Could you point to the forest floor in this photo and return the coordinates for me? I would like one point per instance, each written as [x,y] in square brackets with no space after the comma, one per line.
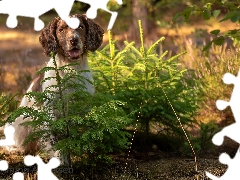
[155,165]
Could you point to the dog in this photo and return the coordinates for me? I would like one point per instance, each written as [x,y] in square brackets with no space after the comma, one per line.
[69,45]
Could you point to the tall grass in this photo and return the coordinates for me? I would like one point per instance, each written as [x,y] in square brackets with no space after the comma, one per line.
[210,68]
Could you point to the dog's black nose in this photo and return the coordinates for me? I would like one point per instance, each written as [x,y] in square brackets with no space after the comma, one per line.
[73,41]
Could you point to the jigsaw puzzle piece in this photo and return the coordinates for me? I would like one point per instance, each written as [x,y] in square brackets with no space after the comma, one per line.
[29,160]
[54,163]
[234,100]
[36,8]
[3,165]
[63,9]
[112,20]
[221,105]
[212,176]
[28,9]
[229,78]
[12,18]
[9,136]
[232,130]
[100,4]
[232,172]
[18,176]
[229,131]
[44,170]
[91,13]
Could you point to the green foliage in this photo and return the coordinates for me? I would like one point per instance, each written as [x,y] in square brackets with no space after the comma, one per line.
[2,78]
[99,132]
[78,7]
[81,7]
[109,67]
[138,75]
[7,105]
[85,126]
[207,130]
[113,5]
[203,142]
[208,9]
[210,69]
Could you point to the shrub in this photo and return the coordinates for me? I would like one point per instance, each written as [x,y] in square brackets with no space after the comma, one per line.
[202,143]
[208,9]
[86,126]
[7,105]
[210,68]
[139,76]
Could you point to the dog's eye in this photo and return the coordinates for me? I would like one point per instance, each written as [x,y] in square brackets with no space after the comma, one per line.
[81,27]
[61,30]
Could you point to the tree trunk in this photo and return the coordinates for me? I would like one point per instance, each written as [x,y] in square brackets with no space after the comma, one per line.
[139,12]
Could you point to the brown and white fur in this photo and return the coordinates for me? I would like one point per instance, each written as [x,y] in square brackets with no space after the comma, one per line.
[69,45]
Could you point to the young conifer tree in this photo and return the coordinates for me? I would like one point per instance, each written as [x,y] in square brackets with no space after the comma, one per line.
[85,126]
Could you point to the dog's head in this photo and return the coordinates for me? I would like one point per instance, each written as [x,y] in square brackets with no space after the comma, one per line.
[58,37]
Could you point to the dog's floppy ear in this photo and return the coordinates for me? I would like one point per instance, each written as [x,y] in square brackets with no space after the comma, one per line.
[94,34]
[48,38]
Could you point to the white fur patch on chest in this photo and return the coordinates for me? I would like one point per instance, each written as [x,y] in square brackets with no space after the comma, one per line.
[83,65]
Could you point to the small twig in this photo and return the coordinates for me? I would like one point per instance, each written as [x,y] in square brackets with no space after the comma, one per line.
[64,114]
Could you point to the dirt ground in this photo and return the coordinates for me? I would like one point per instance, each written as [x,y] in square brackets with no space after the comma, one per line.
[157,166]
[21,54]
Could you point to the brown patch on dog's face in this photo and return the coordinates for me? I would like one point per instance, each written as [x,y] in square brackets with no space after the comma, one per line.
[72,42]
[59,38]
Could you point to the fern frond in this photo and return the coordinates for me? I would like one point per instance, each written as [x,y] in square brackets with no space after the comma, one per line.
[45,69]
